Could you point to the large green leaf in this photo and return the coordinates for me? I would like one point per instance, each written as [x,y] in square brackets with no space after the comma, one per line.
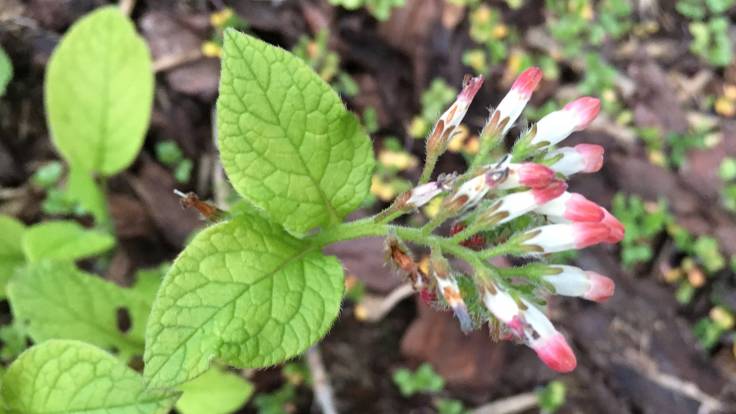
[64,240]
[214,392]
[6,71]
[287,142]
[71,377]
[99,92]
[57,301]
[243,291]
[11,250]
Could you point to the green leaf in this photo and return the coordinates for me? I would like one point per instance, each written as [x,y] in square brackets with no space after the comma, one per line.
[11,250]
[57,301]
[71,377]
[99,92]
[82,188]
[287,142]
[6,71]
[214,392]
[64,240]
[243,291]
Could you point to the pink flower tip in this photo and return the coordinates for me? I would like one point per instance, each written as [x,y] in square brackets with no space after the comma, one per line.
[527,82]
[592,156]
[535,175]
[584,110]
[471,86]
[550,192]
[616,230]
[580,209]
[556,353]
[601,287]
[588,234]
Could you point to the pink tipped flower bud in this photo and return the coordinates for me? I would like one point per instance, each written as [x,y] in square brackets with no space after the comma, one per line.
[586,158]
[554,238]
[529,175]
[616,230]
[601,287]
[573,281]
[471,86]
[444,129]
[571,207]
[513,103]
[515,205]
[558,125]
[584,111]
[549,344]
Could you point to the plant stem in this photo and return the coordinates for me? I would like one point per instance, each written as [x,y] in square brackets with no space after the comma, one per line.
[429,165]
[367,227]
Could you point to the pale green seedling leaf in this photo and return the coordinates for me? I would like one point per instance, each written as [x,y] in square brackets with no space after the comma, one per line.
[214,392]
[71,377]
[287,142]
[99,92]
[11,250]
[64,240]
[82,188]
[55,300]
[245,292]
[6,71]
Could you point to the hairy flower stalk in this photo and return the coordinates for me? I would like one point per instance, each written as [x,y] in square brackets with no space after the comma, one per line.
[517,205]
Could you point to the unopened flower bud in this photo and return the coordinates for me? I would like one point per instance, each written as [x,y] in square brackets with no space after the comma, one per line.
[468,195]
[422,194]
[515,205]
[586,158]
[513,103]
[549,344]
[445,127]
[527,174]
[571,207]
[616,230]
[573,281]
[503,306]
[558,125]
[554,238]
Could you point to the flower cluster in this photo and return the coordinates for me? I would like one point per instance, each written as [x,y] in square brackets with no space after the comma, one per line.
[516,205]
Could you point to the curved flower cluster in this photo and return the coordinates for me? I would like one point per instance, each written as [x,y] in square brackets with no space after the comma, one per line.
[517,205]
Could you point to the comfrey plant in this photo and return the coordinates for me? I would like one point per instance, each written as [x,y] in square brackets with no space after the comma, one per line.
[254,289]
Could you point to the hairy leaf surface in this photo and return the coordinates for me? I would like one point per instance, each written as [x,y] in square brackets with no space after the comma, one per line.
[57,301]
[243,291]
[287,142]
[71,377]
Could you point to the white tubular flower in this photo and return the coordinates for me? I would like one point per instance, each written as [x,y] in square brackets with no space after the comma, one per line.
[469,194]
[422,194]
[587,158]
[515,205]
[571,207]
[501,305]
[549,344]
[528,174]
[554,238]
[558,125]
[573,281]
[513,103]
